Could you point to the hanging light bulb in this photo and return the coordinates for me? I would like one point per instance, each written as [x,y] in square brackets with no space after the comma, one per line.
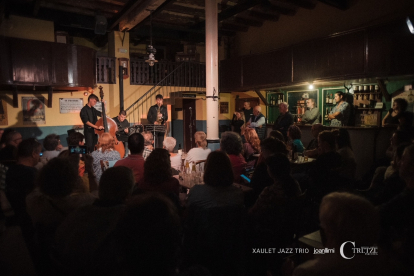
[151,51]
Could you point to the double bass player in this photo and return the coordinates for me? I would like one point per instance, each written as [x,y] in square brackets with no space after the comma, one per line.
[89,116]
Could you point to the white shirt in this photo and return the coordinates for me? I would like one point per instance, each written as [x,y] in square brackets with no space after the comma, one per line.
[260,122]
[176,161]
[196,154]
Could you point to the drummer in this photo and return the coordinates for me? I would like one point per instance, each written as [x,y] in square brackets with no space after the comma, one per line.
[89,116]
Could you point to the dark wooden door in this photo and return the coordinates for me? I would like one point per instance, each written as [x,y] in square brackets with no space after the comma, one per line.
[189,123]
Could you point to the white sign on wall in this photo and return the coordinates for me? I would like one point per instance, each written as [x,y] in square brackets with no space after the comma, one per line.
[70,105]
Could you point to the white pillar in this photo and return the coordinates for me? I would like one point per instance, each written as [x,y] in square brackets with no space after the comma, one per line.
[212,71]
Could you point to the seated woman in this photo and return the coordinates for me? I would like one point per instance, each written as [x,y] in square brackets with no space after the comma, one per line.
[294,135]
[237,122]
[218,189]
[201,151]
[158,175]
[252,146]
[283,188]
[105,152]
[53,200]
[231,144]
[399,106]
[272,219]
[214,225]
[175,158]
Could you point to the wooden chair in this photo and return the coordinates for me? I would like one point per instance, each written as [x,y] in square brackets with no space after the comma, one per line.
[200,163]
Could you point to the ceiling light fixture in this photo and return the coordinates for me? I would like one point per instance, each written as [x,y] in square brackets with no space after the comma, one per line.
[410,23]
[151,51]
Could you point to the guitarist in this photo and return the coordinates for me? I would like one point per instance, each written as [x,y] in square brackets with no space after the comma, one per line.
[89,116]
[123,129]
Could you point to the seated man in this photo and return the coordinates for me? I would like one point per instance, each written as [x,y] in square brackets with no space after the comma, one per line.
[284,120]
[20,181]
[347,221]
[397,215]
[81,234]
[312,149]
[258,122]
[75,139]
[134,161]
[53,148]
[11,140]
[325,172]
[148,143]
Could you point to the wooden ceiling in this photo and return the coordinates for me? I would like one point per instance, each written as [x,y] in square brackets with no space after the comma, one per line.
[172,20]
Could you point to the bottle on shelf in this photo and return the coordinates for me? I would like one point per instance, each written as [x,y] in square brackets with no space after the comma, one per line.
[327,98]
[379,96]
[356,89]
[180,150]
[326,114]
[331,99]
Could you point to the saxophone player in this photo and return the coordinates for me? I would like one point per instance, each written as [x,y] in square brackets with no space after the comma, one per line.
[158,115]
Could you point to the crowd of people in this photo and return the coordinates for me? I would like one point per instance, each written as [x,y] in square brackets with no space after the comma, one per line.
[72,215]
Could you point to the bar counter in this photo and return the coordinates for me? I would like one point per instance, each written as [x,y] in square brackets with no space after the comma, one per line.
[368,143]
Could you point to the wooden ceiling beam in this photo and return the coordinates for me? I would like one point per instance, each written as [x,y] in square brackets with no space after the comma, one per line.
[69,9]
[185,10]
[300,3]
[134,13]
[274,8]
[264,16]
[231,11]
[249,21]
[233,26]
[90,5]
[339,4]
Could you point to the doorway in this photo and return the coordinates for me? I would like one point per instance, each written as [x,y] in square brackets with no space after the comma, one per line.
[189,123]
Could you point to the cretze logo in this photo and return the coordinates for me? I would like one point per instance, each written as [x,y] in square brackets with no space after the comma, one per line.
[366,250]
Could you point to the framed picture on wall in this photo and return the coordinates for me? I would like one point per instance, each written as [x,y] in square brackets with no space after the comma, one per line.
[33,110]
[224,107]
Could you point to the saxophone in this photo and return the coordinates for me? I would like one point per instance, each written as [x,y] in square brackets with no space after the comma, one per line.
[160,119]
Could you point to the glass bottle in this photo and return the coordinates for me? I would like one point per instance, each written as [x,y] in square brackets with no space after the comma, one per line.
[331,99]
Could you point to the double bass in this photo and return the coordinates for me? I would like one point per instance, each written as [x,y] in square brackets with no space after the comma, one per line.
[109,126]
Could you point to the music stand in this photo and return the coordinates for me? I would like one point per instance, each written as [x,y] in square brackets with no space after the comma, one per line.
[155,128]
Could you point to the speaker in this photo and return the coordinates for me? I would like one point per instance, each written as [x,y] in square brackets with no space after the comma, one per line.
[100,24]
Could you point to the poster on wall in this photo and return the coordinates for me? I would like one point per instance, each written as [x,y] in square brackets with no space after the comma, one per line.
[33,110]
[224,108]
[3,113]
[70,105]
